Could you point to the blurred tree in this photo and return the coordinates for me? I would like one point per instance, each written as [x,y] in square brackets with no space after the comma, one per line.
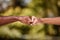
[38,8]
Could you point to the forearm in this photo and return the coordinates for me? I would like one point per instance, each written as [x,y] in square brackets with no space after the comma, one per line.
[7,19]
[55,20]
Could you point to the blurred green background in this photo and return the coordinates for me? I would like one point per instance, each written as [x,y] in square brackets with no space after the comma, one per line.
[38,8]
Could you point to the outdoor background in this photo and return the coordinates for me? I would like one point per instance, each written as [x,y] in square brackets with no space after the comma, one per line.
[38,8]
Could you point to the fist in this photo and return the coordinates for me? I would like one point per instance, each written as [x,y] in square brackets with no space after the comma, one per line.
[25,19]
[34,20]
[28,20]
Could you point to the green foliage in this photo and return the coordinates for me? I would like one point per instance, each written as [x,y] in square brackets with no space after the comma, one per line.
[38,8]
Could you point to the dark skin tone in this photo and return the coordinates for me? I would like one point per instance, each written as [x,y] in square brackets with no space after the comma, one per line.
[9,19]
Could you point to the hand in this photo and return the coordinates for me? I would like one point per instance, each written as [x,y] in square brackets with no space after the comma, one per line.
[28,20]
[34,20]
[25,19]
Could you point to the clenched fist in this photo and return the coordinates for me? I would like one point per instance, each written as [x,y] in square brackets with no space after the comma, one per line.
[35,20]
[25,19]
[31,20]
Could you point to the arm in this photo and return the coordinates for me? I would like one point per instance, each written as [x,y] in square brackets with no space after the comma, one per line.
[7,19]
[55,20]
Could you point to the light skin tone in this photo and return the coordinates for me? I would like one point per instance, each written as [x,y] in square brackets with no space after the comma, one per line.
[54,20]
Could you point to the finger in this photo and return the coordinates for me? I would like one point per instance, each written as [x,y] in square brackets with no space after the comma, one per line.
[34,19]
[29,20]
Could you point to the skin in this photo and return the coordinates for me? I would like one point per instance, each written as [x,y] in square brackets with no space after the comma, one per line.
[54,20]
[9,19]
[29,20]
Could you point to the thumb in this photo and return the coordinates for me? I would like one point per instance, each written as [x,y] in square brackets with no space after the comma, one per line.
[34,20]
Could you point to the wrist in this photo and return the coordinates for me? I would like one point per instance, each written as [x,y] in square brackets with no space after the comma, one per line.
[15,18]
[19,18]
[41,20]
[45,20]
